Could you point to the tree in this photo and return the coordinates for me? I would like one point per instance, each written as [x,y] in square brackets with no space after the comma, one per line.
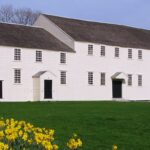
[25,16]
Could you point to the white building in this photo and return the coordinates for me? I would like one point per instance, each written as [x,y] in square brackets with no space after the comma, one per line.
[68,59]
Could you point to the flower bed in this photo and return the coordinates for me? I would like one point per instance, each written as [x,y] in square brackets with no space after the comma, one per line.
[20,135]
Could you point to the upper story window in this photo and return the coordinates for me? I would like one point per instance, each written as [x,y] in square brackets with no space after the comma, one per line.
[90,49]
[38,56]
[130,53]
[102,50]
[63,58]
[90,78]
[17,54]
[140,56]
[17,76]
[139,80]
[103,76]
[129,79]
[63,77]
[117,52]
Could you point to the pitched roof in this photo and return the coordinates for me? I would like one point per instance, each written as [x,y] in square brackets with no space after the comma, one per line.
[29,37]
[109,34]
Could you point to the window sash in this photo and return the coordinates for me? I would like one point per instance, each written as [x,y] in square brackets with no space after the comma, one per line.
[38,56]
[17,54]
[116,52]
[102,50]
[129,79]
[139,80]
[130,53]
[139,54]
[90,78]
[103,78]
[17,76]
[90,49]
[62,58]
[63,77]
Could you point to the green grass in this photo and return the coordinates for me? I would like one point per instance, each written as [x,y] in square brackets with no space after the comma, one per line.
[100,124]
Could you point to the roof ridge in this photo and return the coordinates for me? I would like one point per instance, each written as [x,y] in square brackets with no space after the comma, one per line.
[96,22]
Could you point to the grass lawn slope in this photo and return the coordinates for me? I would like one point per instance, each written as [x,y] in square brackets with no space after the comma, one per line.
[99,124]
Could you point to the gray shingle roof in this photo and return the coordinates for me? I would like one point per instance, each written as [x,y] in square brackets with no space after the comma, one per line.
[29,37]
[109,34]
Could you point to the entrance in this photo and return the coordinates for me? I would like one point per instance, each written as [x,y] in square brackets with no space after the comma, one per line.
[117,88]
[48,89]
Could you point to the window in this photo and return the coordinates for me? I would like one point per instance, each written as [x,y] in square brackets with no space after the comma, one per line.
[17,54]
[90,49]
[102,78]
[139,80]
[130,53]
[90,78]
[139,54]
[129,79]
[17,76]
[63,77]
[102,50]
[62,58]
[38,56]
[116,52]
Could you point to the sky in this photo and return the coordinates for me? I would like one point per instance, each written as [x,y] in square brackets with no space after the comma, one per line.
[134,13]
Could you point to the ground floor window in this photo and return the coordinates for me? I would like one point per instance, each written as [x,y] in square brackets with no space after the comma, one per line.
[102,78]
[139,80]
[17,76]
[63,77]
[90,78]
[130,79]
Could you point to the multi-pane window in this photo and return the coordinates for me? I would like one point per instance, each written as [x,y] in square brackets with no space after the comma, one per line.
[38,56]
[62,58]
[90,49]
[17,54]
[139,54]
[17,76]
[90,78]
[139,80]
[102,50]
[129,79]
[63,77]
[130,53]
[103,76]
[116,52]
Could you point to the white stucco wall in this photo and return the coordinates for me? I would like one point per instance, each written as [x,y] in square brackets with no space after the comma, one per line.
[77,67]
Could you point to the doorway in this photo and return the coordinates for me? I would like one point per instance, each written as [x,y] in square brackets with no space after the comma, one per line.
[117,88]
[48,89]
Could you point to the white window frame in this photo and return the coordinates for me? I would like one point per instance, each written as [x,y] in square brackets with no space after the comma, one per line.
[63,58]
[117,52]
[38,56]
[103,51]
[17,76]
[90,49]
[103,78]
[90,78]
[17,54]
[63,77]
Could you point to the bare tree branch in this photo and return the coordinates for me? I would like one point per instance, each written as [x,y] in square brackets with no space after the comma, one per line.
[24,16]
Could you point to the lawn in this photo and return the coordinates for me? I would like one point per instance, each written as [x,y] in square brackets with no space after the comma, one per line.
[100,124]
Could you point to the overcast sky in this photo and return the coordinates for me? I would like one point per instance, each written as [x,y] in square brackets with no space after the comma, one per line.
[128,12]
